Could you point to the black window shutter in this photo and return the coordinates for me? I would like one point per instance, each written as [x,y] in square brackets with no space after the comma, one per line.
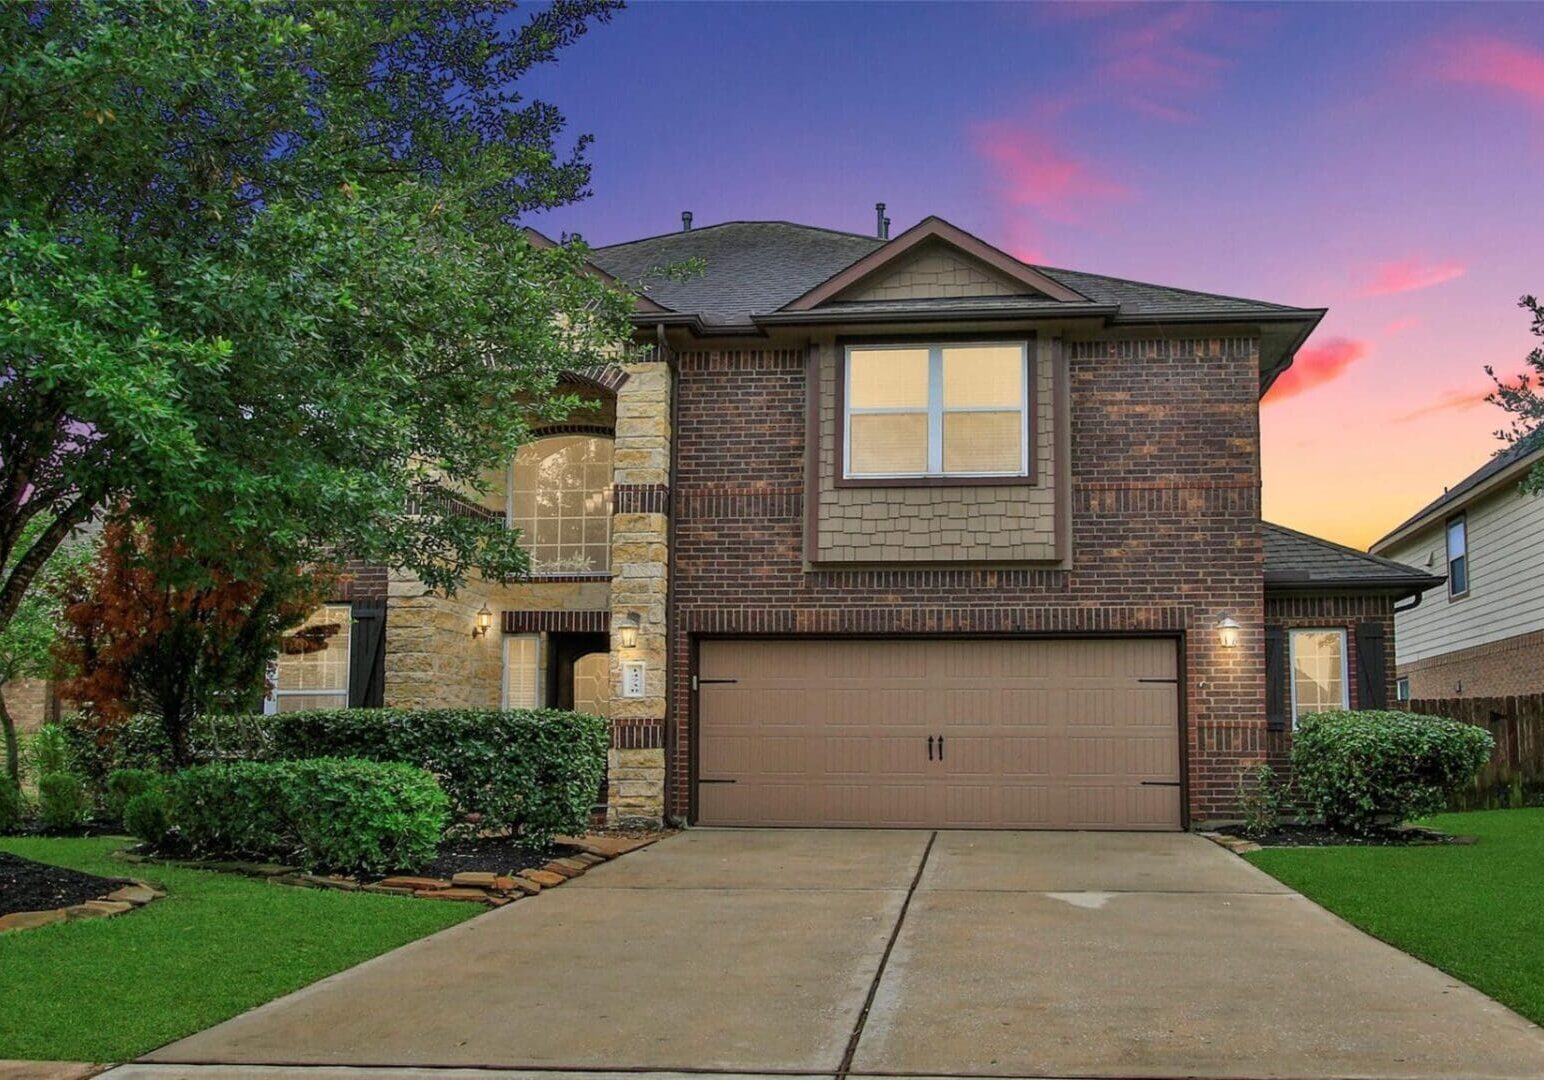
[367,659]
[1275,678]
[1371,666]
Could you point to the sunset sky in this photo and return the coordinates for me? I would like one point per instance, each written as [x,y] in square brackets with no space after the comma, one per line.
[1384,161]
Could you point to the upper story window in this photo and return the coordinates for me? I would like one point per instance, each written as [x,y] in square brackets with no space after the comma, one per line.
[1458,556]
[560,498]
[936,410]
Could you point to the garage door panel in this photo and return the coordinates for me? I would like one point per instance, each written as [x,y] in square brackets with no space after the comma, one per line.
[1060,733]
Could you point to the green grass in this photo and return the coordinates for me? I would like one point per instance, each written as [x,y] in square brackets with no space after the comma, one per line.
[112,989]
[1475,912]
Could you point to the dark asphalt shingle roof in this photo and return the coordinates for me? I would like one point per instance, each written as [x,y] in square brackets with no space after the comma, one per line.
[756,267]
[1502,461]
[749,267]
[1292,557]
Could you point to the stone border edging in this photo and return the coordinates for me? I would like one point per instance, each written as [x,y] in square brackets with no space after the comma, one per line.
[121,900]
[472,886]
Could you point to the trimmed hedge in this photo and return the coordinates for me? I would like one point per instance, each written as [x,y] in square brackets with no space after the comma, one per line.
[536,772]
[123,785]
[1364,770]
[325,813]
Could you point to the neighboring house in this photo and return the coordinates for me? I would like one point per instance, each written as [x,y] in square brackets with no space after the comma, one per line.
[1485,636]
[904,531]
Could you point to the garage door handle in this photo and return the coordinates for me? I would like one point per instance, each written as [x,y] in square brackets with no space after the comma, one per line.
[930,748]
[1160,783]
[940,748]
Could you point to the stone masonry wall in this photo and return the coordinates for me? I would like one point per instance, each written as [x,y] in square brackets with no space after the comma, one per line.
[640,538]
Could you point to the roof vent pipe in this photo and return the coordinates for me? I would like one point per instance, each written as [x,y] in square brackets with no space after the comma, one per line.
[879,221]
[885,234]
[686,221]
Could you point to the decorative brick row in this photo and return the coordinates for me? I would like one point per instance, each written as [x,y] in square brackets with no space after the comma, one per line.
[717,504]
[633,734]
[535,622]
[936,620]
[1161,349]
[940,579]
[604,431]
[640,499]
[608,377]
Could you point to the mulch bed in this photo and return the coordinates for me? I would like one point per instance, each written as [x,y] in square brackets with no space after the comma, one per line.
[33,886]
[1319,836]
[495,854]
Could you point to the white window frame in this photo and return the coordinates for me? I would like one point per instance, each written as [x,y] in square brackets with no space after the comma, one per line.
[538,677]
[1345,662]
[934,410]
[271,700]
[1402,689]
[1462,521]
[529,541]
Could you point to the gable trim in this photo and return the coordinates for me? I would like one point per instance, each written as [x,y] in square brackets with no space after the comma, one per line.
[932,228]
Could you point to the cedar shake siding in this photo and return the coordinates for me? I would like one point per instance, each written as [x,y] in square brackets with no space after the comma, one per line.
[1164,533]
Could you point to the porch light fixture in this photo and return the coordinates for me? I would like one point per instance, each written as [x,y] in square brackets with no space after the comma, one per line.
[1227,632]
[628,630]
[483,624]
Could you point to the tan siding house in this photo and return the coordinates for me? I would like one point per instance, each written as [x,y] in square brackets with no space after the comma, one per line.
[1483,635]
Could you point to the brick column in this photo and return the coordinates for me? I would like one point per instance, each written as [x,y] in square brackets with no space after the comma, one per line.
[640,538]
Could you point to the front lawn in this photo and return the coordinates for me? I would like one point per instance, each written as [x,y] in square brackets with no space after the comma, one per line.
[218,944]
[1476,912]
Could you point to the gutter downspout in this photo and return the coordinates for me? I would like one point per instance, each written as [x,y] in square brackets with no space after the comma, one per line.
[1417,602]
[670,574]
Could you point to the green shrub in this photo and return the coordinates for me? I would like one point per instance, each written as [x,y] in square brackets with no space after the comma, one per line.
[98,748]
[1364,770]
[326,813]
[534,771]
[62,801]
[144,815]
[122,785]
[12,808]
[50,751]
[1260,799]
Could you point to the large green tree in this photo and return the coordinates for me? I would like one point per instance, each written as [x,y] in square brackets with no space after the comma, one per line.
[1523,398]
[263,277]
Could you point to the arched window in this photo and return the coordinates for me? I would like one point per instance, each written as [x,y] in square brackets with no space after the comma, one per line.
[561,501]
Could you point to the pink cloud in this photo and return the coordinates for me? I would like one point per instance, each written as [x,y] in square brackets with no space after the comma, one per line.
[1033,173]
[1399,326]
[1452,400]
[1495,63]
[1316,365]
[1407,275]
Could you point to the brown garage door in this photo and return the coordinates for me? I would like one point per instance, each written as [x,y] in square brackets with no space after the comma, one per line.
[1021,734]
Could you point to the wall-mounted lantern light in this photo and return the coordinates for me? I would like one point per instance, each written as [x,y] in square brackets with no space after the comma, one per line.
[628,630]
[1227,632]
[483,623]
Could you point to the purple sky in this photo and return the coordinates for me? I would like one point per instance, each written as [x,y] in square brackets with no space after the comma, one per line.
[1381,160]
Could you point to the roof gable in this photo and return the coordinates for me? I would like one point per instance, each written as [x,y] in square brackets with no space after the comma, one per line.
[930,256]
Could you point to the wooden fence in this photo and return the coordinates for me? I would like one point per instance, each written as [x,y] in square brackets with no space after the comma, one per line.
[1515,775]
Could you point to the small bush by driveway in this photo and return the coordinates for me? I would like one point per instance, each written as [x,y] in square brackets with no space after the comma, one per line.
[1474,911]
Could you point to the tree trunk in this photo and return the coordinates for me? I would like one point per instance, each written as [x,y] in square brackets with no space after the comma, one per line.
[12,751]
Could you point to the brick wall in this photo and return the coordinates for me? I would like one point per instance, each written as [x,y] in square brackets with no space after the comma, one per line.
[1327,613]
[1504,668]
[1164,531]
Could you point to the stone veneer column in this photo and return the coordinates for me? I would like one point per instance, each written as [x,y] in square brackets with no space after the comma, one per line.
[432,659]
[640,538]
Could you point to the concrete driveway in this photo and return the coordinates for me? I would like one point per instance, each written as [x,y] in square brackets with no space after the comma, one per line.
[835,953]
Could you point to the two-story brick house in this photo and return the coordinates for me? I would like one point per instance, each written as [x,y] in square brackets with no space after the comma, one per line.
[904,531]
